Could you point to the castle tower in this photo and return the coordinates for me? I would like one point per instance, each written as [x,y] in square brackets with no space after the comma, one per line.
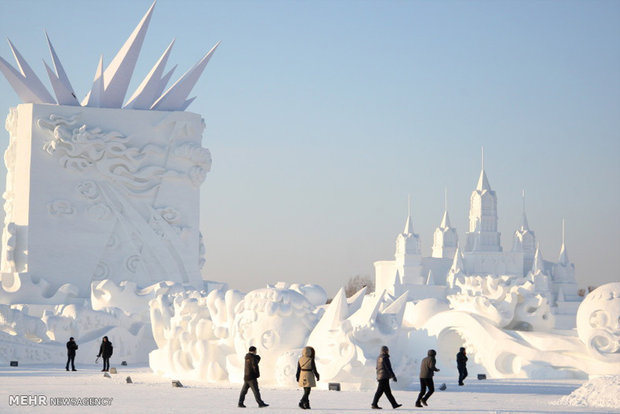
[445,238]
[483,235]
[408,256]
[539,277]
[563,274]
[524,240]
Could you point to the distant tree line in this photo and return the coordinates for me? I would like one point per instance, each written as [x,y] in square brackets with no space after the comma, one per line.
[582,292]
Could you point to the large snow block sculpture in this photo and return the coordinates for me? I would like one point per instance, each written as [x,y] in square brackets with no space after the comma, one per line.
[100,193]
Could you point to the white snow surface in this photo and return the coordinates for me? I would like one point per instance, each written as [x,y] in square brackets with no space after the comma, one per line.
[597,392]
[150,393]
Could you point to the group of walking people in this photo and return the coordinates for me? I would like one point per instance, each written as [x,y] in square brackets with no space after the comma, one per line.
[307,373]
[105,351]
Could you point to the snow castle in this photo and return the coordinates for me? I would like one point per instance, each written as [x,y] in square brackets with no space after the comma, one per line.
[481,255]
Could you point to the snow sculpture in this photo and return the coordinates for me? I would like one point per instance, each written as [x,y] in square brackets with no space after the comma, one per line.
[126,295]
[598,322]
[205,336]
[37,334]
[347,338]
[510,302]
[120,184]
[275,321]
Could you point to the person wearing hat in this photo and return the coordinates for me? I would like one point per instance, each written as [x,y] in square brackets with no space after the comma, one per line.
[384,374]
[461,364]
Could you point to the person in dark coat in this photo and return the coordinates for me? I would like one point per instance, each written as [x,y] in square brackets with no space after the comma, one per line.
[71,348]
[105,351]
[384,374]
[461,364]
[250,376]
[306,372]
[427,370]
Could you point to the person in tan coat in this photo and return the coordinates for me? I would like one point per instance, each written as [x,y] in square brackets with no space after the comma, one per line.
[306,371]
[427,370]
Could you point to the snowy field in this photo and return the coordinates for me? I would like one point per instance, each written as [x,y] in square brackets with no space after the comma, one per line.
[152,394]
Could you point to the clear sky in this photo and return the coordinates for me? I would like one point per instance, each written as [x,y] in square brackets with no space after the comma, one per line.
[322,116]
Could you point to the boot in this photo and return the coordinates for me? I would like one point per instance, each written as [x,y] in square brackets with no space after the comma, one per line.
[302,405]
[375,407]
[418,404]
[397,405]
[424,402]
[241,405]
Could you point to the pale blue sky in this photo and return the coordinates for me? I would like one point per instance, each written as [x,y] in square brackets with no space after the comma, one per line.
[323,116]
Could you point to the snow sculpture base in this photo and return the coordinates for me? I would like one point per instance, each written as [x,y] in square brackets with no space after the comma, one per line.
[95,194]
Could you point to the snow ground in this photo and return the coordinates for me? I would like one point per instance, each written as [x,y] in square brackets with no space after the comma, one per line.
[154,394]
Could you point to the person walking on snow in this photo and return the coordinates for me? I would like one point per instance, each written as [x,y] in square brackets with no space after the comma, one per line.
[427,370]
[250,376]
[461,364]
[105,351]
[71,348]
[306,371]
[384,374]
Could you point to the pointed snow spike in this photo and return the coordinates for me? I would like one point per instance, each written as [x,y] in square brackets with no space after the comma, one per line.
[63,95]
[408,226]
[175,97]
[368,312]
[483,182]
[538,265]
[356,300]
[336,312]
[398,305]
[445,220]
[457,262]
[118,73]
[151,87]
[67,94]
[94,96]
[37,92]
[430,280]
[18,83]
[187,103]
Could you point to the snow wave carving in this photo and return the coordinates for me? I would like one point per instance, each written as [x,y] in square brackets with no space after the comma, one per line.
[510,302]
[598,322]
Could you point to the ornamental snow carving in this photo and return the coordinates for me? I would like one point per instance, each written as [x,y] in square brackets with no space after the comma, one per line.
[119,179]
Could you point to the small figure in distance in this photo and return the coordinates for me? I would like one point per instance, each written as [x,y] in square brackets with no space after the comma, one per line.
[461,364]
[384,373]
[105,351]
[427,370]
[250,376]
[306,371]
[71,348]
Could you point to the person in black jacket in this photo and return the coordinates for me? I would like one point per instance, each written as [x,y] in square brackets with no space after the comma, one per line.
[250,376]
[105,351]
[461,364]
[384,373]
[427,370]
[71,348]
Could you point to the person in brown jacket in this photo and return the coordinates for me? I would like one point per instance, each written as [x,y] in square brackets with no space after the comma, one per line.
[306,371]
[427,370]
[384,374]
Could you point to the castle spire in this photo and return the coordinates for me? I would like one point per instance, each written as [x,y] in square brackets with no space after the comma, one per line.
[538,266]
[524,223]
[445,220]
[409,223]
[483,181]
[563,254]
